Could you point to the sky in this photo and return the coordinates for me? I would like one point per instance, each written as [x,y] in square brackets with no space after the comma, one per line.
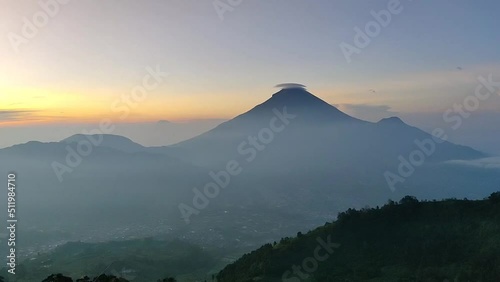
[77,66]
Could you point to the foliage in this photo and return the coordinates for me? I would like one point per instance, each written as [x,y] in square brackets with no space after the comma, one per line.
[140,260]
[454,240]
[101,278]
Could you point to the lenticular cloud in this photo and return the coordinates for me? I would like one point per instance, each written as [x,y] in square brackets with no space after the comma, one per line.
[290,85]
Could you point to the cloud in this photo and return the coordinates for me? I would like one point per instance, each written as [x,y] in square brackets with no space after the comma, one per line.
[27,115]
[16,115]
[163,122]
[367,112]
[290,85]
[489,163]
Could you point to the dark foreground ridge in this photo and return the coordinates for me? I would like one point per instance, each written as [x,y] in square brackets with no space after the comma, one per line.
[449,240]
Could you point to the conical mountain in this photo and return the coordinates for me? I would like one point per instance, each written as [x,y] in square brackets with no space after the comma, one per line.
[300,102]
[312,126]
[299,151]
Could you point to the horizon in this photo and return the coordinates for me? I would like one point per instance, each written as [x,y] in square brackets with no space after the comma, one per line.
[238,141]
[49,80]
[283,86]
[193,128]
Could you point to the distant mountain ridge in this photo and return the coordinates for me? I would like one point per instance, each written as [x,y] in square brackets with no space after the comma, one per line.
[116,142]
[300,157]
[312,113]
[324,157]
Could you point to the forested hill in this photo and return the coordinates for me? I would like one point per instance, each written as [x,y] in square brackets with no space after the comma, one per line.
[449,240]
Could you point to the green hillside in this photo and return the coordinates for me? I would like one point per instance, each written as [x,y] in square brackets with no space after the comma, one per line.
[141,260]
[450,240]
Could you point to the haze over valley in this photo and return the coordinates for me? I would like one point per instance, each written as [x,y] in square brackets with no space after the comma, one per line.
[249,141]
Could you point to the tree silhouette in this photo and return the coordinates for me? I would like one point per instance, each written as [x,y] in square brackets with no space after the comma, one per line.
[408,240]
[57,278]
[109,278]
[168,279]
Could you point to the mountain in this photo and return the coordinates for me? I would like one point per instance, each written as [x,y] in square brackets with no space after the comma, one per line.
[139,260]
[307,109]
[124,185]
[288,164]
[449,240]
[314,123]
[116,142]
[302,155]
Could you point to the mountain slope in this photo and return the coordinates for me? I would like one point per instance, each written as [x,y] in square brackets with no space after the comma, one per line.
[116,142]
[450,240]
[140,260]
[314,123]
[300,159]
[57,179]
[317,157]
[220,143]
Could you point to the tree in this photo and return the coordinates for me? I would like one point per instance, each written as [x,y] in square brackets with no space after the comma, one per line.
[168,279]
[408,200]
[57,278]
[109,278]
[494,197]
